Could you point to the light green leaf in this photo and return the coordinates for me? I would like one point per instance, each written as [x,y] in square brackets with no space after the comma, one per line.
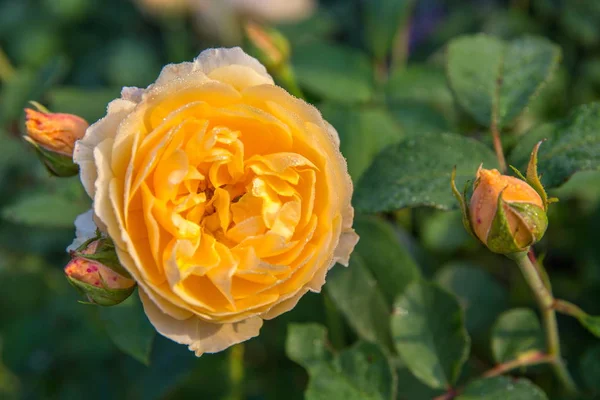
[494,80]
[321,75]
[589,366]
[383,20]
[429,334]
[480,295]
[52,210]
[416,172]
[384,255]
[306,344]
[572,145]
[516,332]
[364,132]
[502,388]
[360,298]
[129,328]
[361,372]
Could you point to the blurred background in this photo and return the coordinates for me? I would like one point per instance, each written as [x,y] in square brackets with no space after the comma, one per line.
[376,70]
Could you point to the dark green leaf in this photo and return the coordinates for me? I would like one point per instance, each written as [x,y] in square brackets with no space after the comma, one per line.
[573,145]
[306,344]
[416,119]
[516,332]
[444,231]
[129,329]
[420,84]
[411,388]
[54,210]
[416,172]
[364,132]
[321,75]
[479,294]
[383,20]
[591,323]
[384,255]
[360,298]
[429,334]
[493,80]
[589,367]
[502,388]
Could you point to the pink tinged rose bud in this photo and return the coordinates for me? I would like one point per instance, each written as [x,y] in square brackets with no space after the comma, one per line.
[102,282]
[53,136]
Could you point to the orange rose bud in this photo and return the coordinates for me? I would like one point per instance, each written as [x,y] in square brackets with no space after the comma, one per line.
[100,283]
[53,137]
[506,213]
[53,131]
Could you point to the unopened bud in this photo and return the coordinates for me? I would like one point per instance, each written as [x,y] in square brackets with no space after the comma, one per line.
[268,45]
[93,272]
[506,213]
[53,136]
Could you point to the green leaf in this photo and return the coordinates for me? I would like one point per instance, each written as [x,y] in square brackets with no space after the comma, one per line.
[416,119]
[494,80]
[573,145]
[429,334]
[416,172]
[360,298]
[516,332]
[502,388]
[589,366]
[411,388]
[422,84]
[322,75]
[383,20]
[89,104]
[591,323]
[443,231]
[360,372]
[129,328]
[384,255]
[306,344]
[480,295]
[364,132]
[54,210]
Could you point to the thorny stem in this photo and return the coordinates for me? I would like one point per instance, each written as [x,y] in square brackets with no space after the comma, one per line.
[546,303]
[6,68]
[534,358]
[498,147]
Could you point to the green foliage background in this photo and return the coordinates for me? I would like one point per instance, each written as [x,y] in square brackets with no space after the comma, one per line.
[353,341]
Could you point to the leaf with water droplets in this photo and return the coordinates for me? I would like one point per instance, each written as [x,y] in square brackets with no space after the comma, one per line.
[416,172]
[573,145]
[495,80]
[429,334]
[502,388]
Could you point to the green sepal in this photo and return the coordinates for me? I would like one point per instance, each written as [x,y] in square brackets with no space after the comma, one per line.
[462,202]
[534,179]
[500,239]
[101,296]
[57,164]
[534,217]
[518,173]
[105,254]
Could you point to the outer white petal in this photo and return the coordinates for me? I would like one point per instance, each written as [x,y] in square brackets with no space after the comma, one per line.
[85,229]
[210,61]
[200,336]
[106,128]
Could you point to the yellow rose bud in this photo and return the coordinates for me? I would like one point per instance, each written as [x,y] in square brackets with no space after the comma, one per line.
[506,213]
[101,284]
[54,131]
[226,197]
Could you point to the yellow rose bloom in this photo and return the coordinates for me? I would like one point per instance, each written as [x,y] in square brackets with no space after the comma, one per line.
[226,197]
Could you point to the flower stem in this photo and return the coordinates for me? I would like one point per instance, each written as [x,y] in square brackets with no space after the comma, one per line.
[498,147]
[546,302]
[534,358]
[236,372]
[6,68]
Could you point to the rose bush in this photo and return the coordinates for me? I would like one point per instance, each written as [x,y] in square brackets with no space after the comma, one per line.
[227,198]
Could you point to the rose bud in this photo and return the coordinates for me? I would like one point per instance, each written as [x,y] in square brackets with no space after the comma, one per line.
[268,45]
[53,136]
[102,282]
[506,214]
